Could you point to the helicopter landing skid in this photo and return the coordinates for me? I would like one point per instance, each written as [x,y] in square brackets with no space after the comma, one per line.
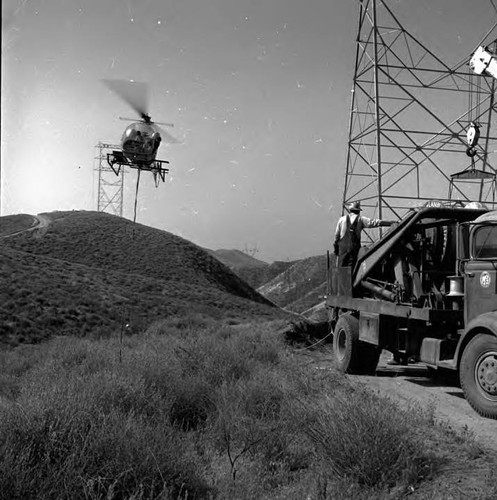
[117,160]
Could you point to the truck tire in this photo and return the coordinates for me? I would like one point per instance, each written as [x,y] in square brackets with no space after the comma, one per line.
[351,355]
[478,374]
[370,355]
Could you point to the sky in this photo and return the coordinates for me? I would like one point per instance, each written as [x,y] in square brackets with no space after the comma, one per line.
[258,90]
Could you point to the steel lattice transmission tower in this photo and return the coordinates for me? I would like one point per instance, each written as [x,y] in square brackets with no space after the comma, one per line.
[110,187]
[408,121]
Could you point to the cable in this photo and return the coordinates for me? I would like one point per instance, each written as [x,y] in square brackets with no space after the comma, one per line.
[136,202]
[136,193]
[315,343]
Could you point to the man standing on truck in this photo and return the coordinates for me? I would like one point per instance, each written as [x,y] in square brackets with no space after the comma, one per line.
[348,234]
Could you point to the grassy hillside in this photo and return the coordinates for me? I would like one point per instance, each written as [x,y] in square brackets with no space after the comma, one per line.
[89,273]
[195,409]
[105,241]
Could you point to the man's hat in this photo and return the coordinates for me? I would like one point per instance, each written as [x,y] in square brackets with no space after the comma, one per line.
[355,206]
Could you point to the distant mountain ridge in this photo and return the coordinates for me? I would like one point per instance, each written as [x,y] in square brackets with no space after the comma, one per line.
[298,287]
[236,259]
[253,271]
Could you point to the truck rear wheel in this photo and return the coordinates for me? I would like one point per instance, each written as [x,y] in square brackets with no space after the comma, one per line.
[478,374]
[352,355]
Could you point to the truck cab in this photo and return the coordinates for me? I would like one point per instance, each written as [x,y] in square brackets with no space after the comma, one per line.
[479,265]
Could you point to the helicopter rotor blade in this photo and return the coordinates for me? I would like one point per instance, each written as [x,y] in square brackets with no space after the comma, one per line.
[164,124]
[166,136]
[126,119]
[134,93]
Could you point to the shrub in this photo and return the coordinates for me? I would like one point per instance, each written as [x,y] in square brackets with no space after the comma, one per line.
[255,431]
[90,438]
[188,324]
[191,403]
[366,438]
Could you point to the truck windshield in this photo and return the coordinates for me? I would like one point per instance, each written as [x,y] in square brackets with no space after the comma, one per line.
[486,242]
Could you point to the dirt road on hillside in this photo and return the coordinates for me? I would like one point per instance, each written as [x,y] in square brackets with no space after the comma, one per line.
[40,223]
[413,385]
[43,223]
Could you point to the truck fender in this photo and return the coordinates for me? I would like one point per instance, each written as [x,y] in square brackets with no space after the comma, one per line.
[484,323]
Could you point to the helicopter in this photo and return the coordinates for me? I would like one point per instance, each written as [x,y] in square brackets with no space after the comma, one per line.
[141,139]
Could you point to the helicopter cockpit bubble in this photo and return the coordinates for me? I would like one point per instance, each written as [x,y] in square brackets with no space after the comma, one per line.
[144,129]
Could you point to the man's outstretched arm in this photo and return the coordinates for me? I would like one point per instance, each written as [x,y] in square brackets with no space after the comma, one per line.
[370,223]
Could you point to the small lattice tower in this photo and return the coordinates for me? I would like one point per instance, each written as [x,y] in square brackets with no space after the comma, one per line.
[110,188]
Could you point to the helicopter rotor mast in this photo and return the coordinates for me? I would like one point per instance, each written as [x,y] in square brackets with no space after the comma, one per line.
[135,94]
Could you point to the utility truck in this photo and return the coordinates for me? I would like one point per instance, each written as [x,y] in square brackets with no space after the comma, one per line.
[427,292]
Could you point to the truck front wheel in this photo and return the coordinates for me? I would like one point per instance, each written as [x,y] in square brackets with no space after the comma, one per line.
[352,355]
[478,374]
